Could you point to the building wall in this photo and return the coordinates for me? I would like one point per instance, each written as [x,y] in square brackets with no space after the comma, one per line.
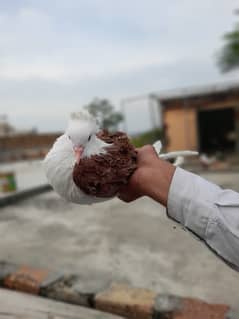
[219,105]
[180,118]
[6,129]
[181,126]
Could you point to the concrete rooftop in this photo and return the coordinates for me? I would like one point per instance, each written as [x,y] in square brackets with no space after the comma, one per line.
[135,243]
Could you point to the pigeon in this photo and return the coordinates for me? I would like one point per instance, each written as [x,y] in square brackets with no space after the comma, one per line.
[87,165]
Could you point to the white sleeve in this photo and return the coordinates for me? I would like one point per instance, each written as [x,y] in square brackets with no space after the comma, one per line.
[208,211]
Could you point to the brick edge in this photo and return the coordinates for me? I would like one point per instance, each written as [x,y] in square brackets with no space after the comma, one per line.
[119,299]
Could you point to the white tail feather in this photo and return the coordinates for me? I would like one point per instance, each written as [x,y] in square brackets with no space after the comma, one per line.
[178,155]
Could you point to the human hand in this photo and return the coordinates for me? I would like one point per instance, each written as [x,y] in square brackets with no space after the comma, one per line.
[152,177]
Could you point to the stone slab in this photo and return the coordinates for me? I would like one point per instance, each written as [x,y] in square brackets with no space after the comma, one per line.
[75,289]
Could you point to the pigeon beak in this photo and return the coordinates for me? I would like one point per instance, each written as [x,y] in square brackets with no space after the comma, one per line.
[78,152]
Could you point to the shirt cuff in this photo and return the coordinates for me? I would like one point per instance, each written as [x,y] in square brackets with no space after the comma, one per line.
[190,201]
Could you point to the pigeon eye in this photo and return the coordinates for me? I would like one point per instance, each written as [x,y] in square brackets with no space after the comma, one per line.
[89,137]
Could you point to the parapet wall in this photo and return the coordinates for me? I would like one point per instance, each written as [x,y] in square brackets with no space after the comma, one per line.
[25,146]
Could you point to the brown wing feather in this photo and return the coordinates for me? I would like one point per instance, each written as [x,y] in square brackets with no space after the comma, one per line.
[103,175]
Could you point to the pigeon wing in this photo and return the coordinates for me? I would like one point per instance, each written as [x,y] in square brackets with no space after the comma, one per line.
[59,164]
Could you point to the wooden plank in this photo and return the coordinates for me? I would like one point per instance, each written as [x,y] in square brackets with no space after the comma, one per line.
[15,305]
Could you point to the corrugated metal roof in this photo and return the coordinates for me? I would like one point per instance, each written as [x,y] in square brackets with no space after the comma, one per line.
[197,91]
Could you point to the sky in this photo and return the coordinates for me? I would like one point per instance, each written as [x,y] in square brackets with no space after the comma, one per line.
[58,55]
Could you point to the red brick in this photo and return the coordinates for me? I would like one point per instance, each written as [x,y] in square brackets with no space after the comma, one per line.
[6,269]
[196,309]
[132,303]
[26,279]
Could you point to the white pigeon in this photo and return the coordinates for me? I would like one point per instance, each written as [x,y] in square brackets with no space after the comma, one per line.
[80,141]
[66,151]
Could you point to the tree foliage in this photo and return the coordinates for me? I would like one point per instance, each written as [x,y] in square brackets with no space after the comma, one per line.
[148,137]
[229,57]
[104,111]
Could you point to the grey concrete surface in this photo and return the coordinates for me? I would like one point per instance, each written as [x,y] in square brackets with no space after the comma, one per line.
[135,243]
[17,305]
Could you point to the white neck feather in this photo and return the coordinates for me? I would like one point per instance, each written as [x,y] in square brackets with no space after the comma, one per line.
[95,147]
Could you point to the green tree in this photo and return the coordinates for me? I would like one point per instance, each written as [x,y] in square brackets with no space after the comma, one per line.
[229,58]
[148,137]
[104,111]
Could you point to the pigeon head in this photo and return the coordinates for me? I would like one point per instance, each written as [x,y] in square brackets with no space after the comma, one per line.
[82,126]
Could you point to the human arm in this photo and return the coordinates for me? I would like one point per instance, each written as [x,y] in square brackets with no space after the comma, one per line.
[152,178]
[204,208]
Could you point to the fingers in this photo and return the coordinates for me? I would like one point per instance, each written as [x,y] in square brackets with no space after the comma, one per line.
[148,150]
[127,197]
[138,182]
[128,194]
[146,154]
[124,198]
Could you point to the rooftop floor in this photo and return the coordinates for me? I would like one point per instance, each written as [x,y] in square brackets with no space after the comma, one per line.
[135,243]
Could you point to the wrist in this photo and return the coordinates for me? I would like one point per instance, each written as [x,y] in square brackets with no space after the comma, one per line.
[159,178]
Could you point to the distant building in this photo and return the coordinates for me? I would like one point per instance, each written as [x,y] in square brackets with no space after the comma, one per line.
[205,119]
[25,146]
[5,128]
[17,145]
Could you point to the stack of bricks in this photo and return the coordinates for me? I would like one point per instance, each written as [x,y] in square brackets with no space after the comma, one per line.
[115,298]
